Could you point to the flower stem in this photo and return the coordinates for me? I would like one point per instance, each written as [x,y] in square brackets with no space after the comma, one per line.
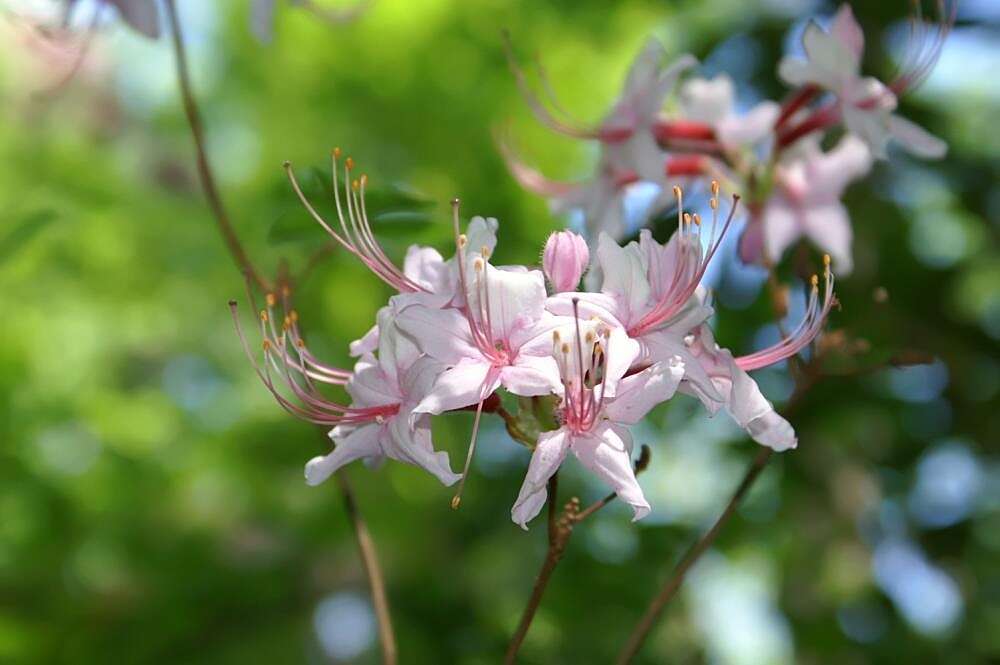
[205,175]
[560,529]
[669,589]
[369,558]
[366,545]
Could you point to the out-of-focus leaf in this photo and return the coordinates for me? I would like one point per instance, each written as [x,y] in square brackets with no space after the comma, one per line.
[23,230]
[393,209]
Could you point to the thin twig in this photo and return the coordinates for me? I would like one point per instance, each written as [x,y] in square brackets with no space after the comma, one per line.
[204,170]
[560,528]
[369,559]
[665,594]
[366,546]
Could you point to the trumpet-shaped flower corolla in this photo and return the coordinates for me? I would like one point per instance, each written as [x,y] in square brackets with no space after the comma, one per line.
[593,423]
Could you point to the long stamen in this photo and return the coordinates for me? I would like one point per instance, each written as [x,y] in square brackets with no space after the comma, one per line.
[457,499]
[807,330]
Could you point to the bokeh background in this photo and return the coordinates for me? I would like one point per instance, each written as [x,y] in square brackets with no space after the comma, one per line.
[152,505]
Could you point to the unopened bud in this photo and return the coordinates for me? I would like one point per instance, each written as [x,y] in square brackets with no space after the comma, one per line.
[565,259]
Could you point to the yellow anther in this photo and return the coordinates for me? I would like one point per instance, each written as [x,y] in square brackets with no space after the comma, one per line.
[687,218]
[267,345]
[349,163]
[285,291]
[364,179]
[301,343]
[697,219]
[456,501]
[555,336]
[485,251]
[565,348]
[715,188]
[263,315]
[826,260]
[462,240]
[713,204]
[270,299]
[589,337]
[478,265]
[336,153]
[355,184]
[678,192]
[287,323]
[294,316]
[815,281]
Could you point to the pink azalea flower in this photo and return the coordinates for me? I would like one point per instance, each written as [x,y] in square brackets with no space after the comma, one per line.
[629,150]
[713,102]
[380,422]
[652,292]
[425,278]
[866,105]
[806,202]
[481,343]
[594,424]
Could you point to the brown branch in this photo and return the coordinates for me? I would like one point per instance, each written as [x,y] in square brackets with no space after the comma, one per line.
[804,382]
[560,528]
[366,546]
[669,589]
[205,175]
[376,582]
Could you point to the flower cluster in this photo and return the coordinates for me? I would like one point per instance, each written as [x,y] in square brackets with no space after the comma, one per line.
[460,330]
[772,153]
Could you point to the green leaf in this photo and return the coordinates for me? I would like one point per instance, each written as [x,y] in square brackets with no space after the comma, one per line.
[23,230]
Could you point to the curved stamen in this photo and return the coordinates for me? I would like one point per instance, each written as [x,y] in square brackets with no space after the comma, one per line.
[805,333]
[690,261]
[356,235]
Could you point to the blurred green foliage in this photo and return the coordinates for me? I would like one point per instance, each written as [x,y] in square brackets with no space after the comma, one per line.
[152,506]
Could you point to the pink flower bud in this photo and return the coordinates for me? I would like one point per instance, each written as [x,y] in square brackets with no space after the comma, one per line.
[565,259]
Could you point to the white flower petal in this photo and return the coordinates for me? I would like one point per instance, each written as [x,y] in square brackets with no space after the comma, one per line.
[355,444]
[915,139]
[550,451]
[442,334]
[607,452]
[639,393]
[465,384]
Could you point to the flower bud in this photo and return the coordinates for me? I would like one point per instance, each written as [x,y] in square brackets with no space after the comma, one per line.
[565,259]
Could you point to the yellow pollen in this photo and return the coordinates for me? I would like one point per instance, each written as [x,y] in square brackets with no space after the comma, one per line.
[267,345]
[462,240]
[826,260]
[715,188]
[263,315]
[565,348]
[355,185]
[678,192]
[555,335]
[687,218]
[270,299]
[478,265]
[301,343]
[364,179]
[349,163]
[294,315]
[336,153]
[287,322]
[697,219]
[713,204]
[485,251]
[815,281]
[456,501]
